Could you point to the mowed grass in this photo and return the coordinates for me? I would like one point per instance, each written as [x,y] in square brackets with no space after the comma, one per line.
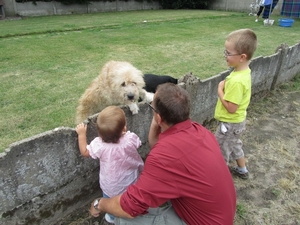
[48,62]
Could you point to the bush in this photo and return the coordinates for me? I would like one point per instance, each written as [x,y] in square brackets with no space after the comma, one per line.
[184,4]
[69,2]
[166,4]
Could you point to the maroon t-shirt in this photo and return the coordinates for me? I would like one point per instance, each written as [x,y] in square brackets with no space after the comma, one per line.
[185,166]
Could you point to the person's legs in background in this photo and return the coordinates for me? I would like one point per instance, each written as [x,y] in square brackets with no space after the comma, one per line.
[259,12]
[274,5]
[266,12]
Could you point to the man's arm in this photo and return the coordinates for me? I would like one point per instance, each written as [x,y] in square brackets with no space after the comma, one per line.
[111,206]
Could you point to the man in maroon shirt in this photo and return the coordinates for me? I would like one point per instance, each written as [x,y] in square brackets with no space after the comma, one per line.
[184,171]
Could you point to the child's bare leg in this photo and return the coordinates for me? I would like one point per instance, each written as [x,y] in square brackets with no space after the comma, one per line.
[241,169]
[241,162]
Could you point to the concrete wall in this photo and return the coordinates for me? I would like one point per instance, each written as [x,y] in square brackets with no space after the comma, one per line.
[13,8]
[44,178]
[240,6]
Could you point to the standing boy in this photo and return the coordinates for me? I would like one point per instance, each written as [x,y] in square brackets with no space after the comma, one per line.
[234,97]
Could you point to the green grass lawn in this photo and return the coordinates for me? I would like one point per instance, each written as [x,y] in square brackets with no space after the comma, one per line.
[48,62]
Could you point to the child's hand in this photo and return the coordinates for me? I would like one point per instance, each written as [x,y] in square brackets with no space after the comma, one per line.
[221,85]
[81,129]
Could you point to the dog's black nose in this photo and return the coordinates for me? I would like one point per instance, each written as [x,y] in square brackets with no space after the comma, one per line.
[130,96]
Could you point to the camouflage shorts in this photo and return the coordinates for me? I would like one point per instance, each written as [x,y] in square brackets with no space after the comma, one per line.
[229,141]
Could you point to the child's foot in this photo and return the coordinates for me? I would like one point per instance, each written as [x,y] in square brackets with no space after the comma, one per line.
[109,219]
[236,172]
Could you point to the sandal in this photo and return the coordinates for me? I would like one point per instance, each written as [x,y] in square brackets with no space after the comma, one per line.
[235,171]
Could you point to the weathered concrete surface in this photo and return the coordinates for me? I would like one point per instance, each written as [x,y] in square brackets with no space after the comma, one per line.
[40,8]
[240,6]
[44,178]
[42,175]
[13,8]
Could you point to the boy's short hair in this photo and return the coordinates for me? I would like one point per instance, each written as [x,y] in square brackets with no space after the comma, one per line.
[245,41]
[110,124]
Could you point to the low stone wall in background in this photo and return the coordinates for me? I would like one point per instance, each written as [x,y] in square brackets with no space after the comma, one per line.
[44,178]
[13,8]
[241,6]
[40,8]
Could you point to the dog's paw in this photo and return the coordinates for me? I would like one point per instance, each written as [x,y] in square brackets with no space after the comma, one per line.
[149,96]
[133,108]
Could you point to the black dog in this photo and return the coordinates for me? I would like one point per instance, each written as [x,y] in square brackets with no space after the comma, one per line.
[152,81]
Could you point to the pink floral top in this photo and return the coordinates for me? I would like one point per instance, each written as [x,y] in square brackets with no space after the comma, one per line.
[120,163]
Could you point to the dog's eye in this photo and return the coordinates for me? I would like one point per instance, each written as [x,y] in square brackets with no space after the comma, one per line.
[133,83]
[123,84]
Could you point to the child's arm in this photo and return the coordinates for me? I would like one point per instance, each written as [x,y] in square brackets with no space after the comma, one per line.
[229,106]
[81,131]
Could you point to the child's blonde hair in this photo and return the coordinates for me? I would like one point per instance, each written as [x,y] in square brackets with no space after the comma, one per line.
[111,123]
[245,41]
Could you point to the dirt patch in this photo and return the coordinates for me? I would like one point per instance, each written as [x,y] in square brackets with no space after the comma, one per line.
[271,196]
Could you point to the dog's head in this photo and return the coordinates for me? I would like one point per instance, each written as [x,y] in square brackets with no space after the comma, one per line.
[128,80]
[130,91]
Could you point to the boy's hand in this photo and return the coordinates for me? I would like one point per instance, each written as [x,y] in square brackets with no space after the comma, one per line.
[221,89]
[81,129]
[221,85]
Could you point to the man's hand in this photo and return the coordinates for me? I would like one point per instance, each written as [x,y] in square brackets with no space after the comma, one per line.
[154,132]
[94,210]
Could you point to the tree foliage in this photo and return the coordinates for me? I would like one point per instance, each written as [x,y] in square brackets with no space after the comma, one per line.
[184,4]
[69,2]
[166,4]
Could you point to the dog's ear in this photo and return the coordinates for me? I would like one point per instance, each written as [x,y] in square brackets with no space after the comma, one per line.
[173,80]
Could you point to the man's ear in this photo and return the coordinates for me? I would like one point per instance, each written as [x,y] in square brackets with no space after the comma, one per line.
[159,119]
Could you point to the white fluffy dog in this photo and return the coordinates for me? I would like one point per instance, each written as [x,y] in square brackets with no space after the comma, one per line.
[119,83]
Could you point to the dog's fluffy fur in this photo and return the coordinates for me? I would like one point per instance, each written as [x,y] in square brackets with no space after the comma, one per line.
[152,81]
[119,83]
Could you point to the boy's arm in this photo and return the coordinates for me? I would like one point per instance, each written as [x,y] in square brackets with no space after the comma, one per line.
[81,131]
[229,106]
